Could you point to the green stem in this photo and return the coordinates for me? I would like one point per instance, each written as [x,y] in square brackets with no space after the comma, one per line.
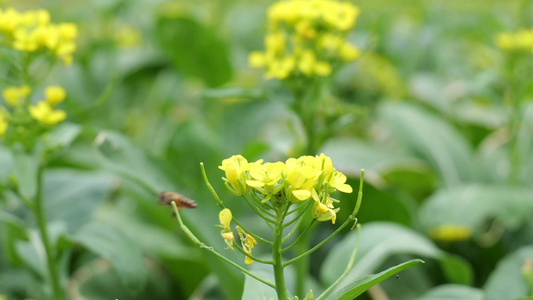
[263,261]
[193,238]
[348,267]
[302,235]
[279,275]
[50,255]
[306,253]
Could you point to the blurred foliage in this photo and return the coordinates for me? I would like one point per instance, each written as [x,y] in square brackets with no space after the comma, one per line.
[159,86]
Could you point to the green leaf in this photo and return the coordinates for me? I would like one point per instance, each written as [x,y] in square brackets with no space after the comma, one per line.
[126,159]
[431,138]
[122,252]
[453,292]
[357,154]
[381,240]
[255,290]
[471,205]
[359,286]
[194,49]
[506,282]
[63,135]
[70,196]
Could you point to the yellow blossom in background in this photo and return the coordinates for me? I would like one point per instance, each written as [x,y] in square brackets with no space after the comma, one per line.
[450,232]
[306,38]
[14,95]
[33,31]
[54,95]
[521,40]
[3,124]
[44,114]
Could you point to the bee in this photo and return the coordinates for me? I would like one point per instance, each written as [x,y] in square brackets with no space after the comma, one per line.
[166,198]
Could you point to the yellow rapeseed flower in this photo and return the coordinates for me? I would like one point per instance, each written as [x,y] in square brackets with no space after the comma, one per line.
[32,31]
[521,40]
[235,168]
[265,177]
[14,95]
[306,37]
[44,114]
[54,95]
[3,124]
[450,232]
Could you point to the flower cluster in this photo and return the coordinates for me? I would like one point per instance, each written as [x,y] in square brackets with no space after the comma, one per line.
[306,38]
[22,112]
[32,31]
[521,40]
[295,181]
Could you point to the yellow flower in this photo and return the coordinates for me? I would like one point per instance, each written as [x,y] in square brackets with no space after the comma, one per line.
[248,242]
[257,59]
[54,95]
[337,182]
[450,232]
[15,94]
[44,114]
[235,168]
[3,124]
[324,211]
[305,38]
[264,177]
[225,218]
[301,180]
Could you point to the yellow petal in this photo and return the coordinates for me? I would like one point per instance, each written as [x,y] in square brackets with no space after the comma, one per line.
[301,194]
[225,217]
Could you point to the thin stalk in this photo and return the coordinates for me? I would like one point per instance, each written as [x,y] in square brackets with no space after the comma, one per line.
[260,206]
[293,230]
[350,219]
[306,253]
[298,217]
[263,261]
[279,275]
[347,270]
[193,238]
[39,211]
[302,234]
[268,221]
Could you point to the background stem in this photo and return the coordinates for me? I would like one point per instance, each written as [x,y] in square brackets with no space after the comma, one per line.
[39,211]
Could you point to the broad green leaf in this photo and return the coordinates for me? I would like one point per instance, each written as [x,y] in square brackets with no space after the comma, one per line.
[359,286]
[352,155]
[63,135]
[71,196]
[431,138]
[122,252]
[453,292]
[126,159]
[381,240]
[506,282]
[194,49]
[471,205]
[255,290]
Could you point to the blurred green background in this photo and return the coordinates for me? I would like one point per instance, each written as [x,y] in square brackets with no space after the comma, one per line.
[160,86]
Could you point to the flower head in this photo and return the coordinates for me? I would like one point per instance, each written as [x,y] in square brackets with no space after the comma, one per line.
[306,38]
